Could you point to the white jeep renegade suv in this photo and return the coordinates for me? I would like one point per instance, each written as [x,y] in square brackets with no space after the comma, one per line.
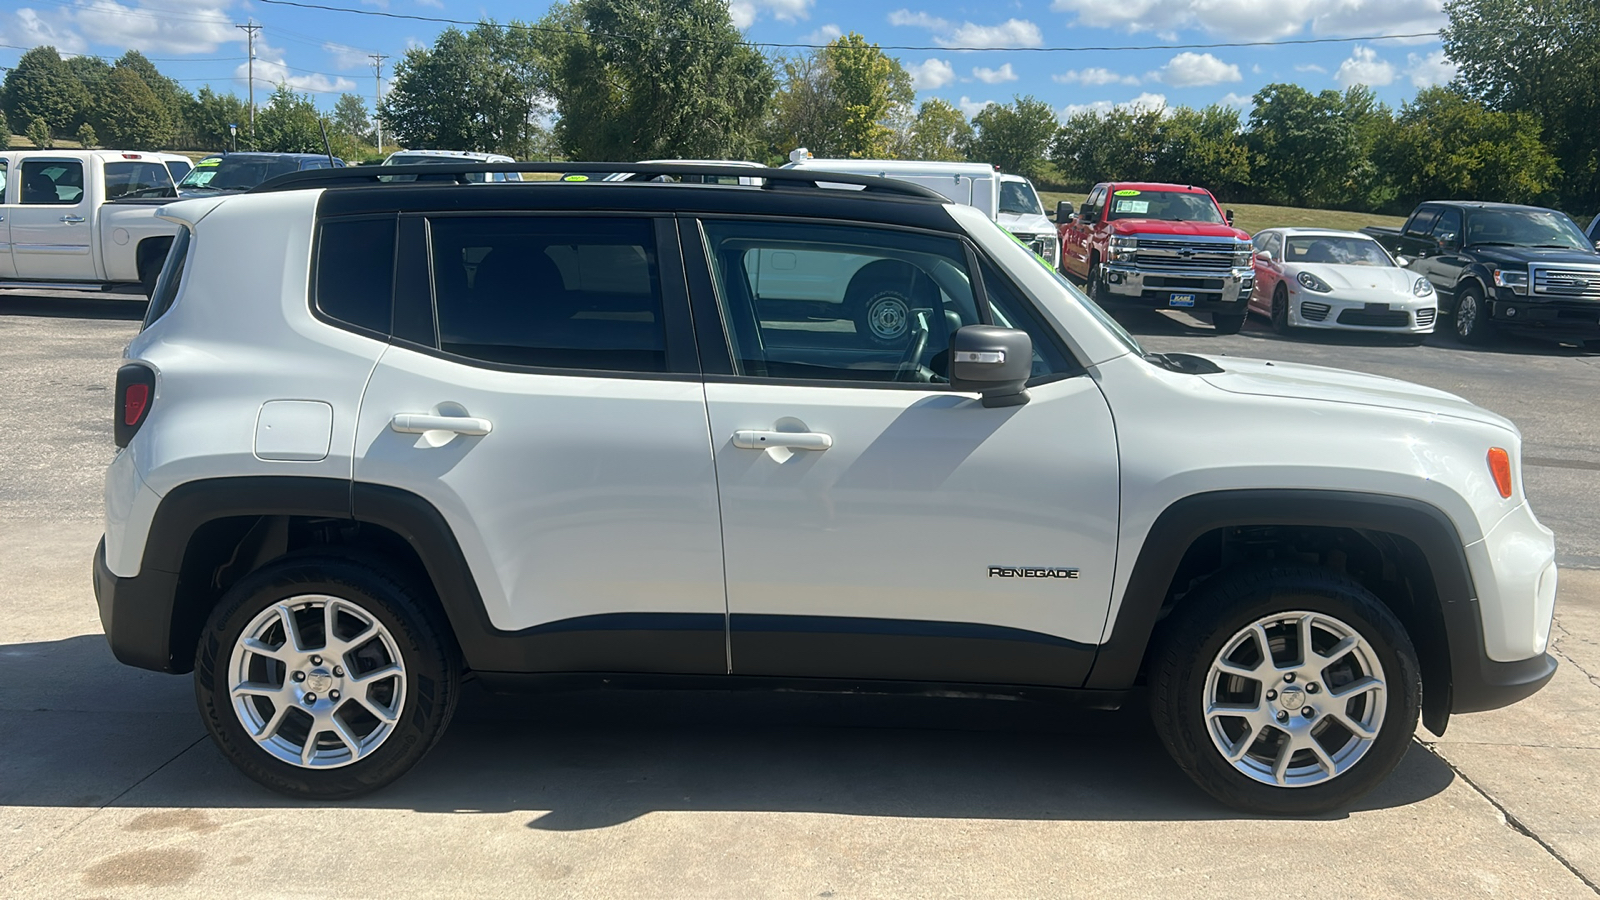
[376,436]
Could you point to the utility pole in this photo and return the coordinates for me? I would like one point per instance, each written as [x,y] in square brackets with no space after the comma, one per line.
[251,30]
[377,94]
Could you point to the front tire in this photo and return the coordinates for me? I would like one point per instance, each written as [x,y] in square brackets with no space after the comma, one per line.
[322,678]
[1285,690]
[1280,311]
[1472,317]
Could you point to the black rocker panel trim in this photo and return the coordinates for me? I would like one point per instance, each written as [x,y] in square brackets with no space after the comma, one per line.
[1457,674]
[903,649]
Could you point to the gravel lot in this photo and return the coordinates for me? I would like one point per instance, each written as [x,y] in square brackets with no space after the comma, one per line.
[108,787]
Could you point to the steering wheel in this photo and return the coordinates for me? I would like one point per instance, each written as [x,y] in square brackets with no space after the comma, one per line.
[910,361]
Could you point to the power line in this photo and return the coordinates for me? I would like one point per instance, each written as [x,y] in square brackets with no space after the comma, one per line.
[519,26]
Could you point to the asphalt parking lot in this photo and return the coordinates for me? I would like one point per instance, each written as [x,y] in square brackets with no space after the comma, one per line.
[108,787]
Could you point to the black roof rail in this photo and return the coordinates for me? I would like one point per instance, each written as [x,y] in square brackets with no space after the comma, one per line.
[453,173]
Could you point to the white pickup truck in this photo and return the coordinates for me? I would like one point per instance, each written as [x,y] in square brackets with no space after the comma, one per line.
[83,219]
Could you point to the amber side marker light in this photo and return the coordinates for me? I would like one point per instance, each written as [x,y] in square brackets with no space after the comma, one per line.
[1500,468]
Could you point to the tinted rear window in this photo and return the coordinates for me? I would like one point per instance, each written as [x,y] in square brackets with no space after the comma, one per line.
[355,271]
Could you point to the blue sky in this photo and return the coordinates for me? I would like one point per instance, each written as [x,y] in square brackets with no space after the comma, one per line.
[325,53]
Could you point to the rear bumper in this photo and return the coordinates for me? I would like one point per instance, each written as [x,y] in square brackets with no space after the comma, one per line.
[136,614]
[1225,290]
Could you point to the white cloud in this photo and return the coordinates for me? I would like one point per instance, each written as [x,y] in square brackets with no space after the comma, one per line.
[994,76]
[1145,102]
[1242,103]
[745,12]
[1311,67]
[31,29]
[827,34]
[195,27]
[347,57]
[272,69]
[1427,71]
[970,108]
[1196,70]
[436,4]
[1009,34]
[1364,67]
[1093,76]
[931,74]
[1260,19]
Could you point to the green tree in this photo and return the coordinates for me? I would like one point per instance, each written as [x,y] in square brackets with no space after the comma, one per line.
[289,124]
[1447,146]
[350,117]
[40,135]
[939,132]
[1306,148]
[42,87]
[1540,57]
[1123,144]
[211,114]
[128,114]
[5,130]
[86,137]
[636,79]
[472,90]
[1203,147]
[848,99]
[1016,137]
[171,95]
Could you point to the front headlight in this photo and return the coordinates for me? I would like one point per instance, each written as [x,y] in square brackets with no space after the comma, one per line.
[1244,254]
[1123,248]
[1422,288]
[1312,283]
[1506,278]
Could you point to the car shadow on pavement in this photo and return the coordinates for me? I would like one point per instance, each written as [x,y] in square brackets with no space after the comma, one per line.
[596,758]
[122,307]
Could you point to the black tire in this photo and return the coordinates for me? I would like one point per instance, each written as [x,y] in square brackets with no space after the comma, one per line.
[1280,311]
[1193,636]
[424,705]
[1471,317]
[1228,323]
[1094,284]
[883,314]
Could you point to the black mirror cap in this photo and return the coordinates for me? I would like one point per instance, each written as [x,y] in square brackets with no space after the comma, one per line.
[1228,214]
[993,361]
[1064,210]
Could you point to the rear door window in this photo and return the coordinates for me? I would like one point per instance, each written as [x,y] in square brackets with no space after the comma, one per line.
[355,271]
[46,182]
[549,292]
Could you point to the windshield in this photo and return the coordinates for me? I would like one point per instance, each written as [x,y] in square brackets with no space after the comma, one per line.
[236,173]
[1018,197]
[1525,228]
[1170,206]
[1338,251]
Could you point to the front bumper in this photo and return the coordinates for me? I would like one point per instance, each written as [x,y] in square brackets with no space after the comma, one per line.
[1226,290]
[1579,319]
[1388,313]
[136,614]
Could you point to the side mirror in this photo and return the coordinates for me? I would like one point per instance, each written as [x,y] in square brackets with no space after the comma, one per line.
[1228,214]
[993,361]
[1597,246]
[1264,256]
[1402,261]
[1084,211]
[1064,211]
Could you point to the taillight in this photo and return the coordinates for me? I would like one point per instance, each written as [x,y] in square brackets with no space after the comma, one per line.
[1500,468]
[136,388]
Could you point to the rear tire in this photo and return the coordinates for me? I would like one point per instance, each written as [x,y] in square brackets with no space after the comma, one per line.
[1231,683]
[319,711]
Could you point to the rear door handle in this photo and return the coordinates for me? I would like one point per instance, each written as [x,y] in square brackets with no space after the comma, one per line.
[72,220]
[793,440]
[418,423]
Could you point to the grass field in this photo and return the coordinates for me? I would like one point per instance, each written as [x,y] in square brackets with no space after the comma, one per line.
[1253,218]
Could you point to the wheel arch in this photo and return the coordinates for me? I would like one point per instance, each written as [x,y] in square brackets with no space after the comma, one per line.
[1422,572]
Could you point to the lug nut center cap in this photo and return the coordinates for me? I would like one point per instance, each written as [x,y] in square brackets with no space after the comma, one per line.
[1291,697]
[318,681]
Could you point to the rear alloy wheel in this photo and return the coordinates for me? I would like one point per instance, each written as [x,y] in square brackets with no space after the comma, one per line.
[323,679]
[1286,690]
[1472,317]
[1280,311]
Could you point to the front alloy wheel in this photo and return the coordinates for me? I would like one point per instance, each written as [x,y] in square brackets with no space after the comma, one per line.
[1472,318]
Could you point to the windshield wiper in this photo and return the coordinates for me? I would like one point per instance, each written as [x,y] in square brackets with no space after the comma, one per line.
[1491,244]
[1556,247]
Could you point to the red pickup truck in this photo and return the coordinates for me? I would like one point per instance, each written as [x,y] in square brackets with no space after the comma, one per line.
[1158,245]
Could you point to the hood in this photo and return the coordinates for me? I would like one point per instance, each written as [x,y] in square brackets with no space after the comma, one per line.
[1164,226]
[1025,223]
[1359,278]
[1517,257]
[1278,379]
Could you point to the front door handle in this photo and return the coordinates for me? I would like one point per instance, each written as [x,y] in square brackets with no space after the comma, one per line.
[419,423]
[72,220]
[793,440]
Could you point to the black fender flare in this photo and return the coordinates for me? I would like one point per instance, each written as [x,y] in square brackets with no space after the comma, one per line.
[1448,636]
